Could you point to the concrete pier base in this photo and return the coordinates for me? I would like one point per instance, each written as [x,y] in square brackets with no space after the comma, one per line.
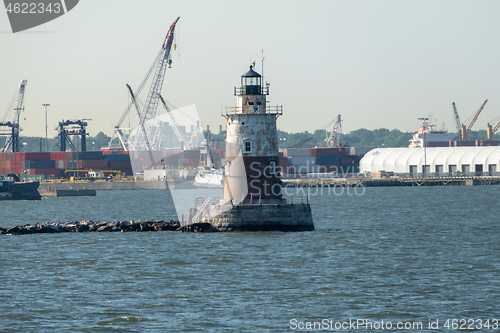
[68,193]
[258,217]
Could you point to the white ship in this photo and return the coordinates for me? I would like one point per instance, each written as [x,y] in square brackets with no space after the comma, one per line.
[427,136]
[208,175]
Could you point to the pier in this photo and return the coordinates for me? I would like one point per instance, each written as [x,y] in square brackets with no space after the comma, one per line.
[67,193]
[392,181]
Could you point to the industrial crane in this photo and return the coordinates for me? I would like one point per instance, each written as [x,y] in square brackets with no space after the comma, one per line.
[334,139]
[458,123]
[141,125]
[72,127]
[464,131]
[162,61]
[491,130]
[12,141]
[175,125]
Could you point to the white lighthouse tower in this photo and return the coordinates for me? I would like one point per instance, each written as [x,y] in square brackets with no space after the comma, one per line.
[252,159]
[253,193]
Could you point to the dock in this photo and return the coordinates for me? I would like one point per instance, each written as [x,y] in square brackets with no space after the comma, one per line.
[67,193]
[392,181]
[103,185]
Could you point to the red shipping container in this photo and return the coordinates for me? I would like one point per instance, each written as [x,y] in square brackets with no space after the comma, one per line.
[66,155]
[11,156]
[95,164]
[37,156]
[47,172]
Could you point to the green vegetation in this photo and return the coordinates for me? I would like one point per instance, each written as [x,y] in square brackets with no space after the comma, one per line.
[381,137]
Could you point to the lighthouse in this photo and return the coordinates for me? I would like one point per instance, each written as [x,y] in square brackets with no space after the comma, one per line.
[253,192]
[252,158]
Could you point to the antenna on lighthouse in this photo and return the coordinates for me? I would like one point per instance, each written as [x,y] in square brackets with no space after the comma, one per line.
[263,77]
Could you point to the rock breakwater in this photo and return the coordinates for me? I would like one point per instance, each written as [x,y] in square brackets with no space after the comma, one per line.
[89,226]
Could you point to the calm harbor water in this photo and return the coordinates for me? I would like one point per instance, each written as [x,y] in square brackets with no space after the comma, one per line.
[405,255]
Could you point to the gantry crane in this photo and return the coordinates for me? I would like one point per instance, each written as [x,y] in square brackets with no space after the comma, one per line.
[72,127]
[491,130]
[12,133]
[464,131]
[162,61]
[458,123]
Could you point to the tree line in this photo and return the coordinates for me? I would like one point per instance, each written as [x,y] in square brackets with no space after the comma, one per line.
[381,137]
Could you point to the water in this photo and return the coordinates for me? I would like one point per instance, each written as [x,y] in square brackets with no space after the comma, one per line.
[406,255]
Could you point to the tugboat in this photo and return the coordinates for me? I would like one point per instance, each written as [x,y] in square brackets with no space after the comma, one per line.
[11,188]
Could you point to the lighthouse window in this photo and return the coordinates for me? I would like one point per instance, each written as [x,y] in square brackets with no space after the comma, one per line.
[247,146]
[252,81]
[251,103]
[259,103]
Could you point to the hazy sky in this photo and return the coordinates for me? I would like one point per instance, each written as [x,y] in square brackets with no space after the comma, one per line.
[377,63]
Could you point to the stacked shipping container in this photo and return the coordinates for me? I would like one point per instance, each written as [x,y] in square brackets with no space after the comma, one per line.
[54,164]
[318,160]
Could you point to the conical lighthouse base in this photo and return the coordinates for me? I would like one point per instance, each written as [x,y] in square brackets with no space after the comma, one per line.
[254,217]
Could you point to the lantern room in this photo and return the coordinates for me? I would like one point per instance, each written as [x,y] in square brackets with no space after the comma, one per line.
[251,83]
